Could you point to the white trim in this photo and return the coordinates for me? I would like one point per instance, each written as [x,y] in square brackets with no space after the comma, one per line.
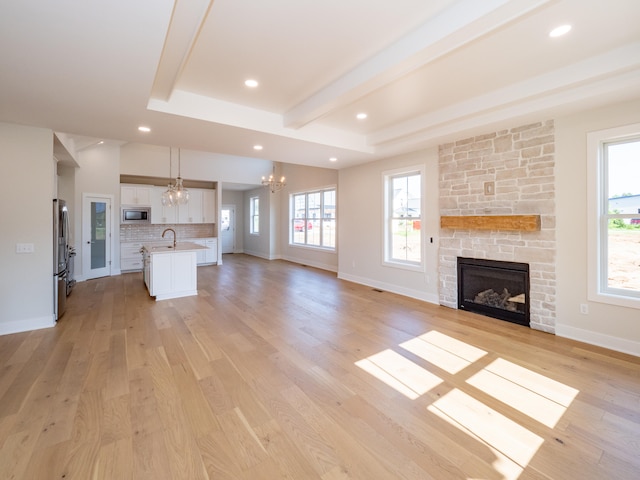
[86,266]
[386,176]
[599,339]
[392,288]
[261,255]
[305,262]
[595,205]
[37,323]
[168,296]
[292,217]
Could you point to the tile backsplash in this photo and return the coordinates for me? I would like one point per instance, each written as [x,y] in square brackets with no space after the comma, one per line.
[153,233]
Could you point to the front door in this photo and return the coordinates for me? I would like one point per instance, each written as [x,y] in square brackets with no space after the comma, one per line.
[228,228]
[96,236]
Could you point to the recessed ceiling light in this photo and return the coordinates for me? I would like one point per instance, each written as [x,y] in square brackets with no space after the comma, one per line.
[559,31]
[361,116]
[257,147]
[333,159]
[144,129]
[251,83]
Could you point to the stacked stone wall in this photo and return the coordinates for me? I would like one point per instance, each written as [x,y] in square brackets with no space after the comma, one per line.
[510,172]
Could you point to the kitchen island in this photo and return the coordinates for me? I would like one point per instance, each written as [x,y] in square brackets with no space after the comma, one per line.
[170,271]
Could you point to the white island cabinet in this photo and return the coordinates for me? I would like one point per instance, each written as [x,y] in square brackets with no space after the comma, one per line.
[171,272]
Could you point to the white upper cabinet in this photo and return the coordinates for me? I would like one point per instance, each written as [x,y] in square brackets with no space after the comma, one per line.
[192,211]
[200,209]
[209,206]
[135,195]
[160,213]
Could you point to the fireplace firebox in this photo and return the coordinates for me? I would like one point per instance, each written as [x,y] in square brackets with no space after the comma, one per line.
[494,288]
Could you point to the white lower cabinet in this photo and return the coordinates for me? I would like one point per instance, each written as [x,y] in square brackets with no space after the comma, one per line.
[201,255]
[130,257]
[172,275]
[211,253]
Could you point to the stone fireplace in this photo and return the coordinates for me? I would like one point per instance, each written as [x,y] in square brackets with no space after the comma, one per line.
[501,174]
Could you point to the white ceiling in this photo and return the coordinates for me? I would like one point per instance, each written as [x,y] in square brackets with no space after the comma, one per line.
[424,71]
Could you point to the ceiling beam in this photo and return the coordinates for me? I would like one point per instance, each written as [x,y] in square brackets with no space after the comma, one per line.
[460,24]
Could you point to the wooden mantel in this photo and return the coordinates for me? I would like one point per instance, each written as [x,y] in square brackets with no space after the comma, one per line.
[521,223]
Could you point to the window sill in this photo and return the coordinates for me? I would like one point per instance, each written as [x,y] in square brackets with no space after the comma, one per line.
[313,247]
[403,266]
[613,299]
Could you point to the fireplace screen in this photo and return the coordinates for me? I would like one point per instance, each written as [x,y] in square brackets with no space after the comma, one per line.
[494,288]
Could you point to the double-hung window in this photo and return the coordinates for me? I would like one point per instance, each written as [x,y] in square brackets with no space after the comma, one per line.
[313,218]
[403,220]
[254,215]
[614,216]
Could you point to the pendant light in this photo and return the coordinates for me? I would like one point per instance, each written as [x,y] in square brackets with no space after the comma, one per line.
[181,194]
[272,183]
[168,196]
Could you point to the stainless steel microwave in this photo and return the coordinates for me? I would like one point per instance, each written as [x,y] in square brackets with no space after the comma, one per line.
[134,215]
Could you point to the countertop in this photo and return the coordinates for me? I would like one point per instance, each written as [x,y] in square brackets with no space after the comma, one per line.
[153,248]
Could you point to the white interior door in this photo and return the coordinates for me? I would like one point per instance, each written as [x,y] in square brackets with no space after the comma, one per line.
[96,236]
[228,228]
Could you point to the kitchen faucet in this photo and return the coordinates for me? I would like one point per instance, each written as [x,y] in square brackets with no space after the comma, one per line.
[174,235]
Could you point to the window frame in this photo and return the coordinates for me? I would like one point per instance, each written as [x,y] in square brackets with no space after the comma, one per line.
[254,215]
[306,219]
[387,209]
[598,216]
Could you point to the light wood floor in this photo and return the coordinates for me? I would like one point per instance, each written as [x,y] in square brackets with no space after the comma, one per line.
[277,371]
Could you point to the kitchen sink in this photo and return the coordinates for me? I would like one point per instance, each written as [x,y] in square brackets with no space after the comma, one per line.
[162,247]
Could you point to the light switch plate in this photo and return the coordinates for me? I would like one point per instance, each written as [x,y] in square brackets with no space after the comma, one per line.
[24,248]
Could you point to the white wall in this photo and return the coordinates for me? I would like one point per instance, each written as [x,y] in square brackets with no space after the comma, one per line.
[26,283]
[258,245]
[153,161]
[360,227]
[98,173]
[607,325]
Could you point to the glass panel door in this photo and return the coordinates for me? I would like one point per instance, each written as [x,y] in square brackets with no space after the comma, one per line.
[98,235]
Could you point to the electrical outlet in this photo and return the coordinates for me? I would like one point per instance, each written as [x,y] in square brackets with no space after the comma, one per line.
[489,188]
[584,309]
[24,248]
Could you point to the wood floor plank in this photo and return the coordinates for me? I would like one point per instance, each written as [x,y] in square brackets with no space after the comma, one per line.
[275,370]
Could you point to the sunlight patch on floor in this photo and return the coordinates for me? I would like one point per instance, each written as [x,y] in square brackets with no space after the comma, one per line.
[542,385]
[536,396]
[444,352]
[399,373]
[513,445]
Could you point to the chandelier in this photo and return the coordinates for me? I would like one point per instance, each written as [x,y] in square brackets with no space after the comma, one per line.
[271,182]
[175,194]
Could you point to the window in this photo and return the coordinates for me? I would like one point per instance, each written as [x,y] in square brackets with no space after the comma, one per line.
[313,218]
[403,207]
[254,214]
[614,218]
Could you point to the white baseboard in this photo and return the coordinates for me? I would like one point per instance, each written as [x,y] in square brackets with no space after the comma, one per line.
[321,266]
[262,255]
[26,325]
[407,292]
[599,339]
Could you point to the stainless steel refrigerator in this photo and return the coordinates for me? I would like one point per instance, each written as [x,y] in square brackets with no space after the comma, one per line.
[60,256]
